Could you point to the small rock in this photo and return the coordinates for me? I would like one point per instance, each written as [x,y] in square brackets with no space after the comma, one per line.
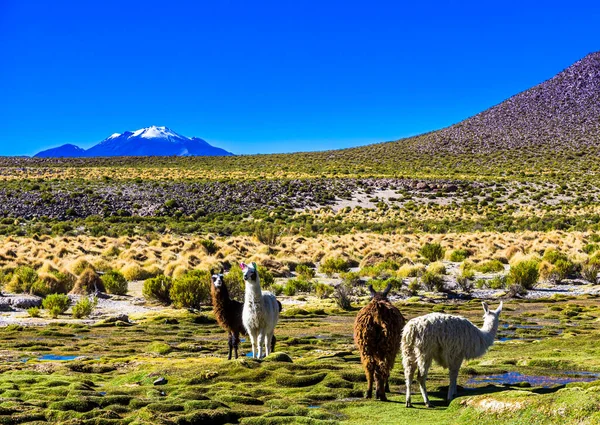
[171,321]
[117,318]
[160,381]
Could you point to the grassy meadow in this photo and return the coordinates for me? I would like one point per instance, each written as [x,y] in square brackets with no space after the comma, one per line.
[446,231]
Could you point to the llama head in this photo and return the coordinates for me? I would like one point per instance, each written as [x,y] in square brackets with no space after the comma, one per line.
[217,279]
[250,272]
[491,314]
[380,295]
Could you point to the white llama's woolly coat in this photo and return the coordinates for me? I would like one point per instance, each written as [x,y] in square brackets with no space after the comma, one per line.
[259,316]
[446,339]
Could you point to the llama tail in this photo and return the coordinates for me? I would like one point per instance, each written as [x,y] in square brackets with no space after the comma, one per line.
[408,341]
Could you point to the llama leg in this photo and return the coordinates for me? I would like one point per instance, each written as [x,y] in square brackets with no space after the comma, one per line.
[230,344]
[380,380]
[387,386]
[421,378]
[453,374]
[236,343]
[253,338]
[409,373]
[369,373]
[273,341]
[269,343]
[259,343]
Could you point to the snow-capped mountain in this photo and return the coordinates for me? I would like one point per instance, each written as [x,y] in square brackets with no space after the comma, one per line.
[150,141]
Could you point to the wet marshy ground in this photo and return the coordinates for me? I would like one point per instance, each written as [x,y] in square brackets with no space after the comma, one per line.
[175,371]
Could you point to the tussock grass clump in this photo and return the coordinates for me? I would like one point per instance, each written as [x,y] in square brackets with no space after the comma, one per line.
[23,280]
[88,283]
[432,282]
[159,348]
[491,266]
[79,266]
[134,271]
[33,312]
[56,304]
[287,380]
[437,268]
[459,255]
[114,282]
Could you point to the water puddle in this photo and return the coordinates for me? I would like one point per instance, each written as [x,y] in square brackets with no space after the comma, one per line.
[54,357]
[513,378]
[314,406]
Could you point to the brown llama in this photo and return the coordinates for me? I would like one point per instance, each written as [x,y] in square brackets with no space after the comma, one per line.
[378,333]
[228,313]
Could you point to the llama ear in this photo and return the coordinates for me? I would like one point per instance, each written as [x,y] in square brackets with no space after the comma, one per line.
[243,266]
[387,289]
[499,309]
[372,291]
[254,265]
[486,309]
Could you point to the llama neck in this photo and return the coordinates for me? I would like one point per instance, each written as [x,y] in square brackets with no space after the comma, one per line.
[487,335]
[253,292]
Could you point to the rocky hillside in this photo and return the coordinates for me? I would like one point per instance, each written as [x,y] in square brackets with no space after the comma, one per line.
[560,113]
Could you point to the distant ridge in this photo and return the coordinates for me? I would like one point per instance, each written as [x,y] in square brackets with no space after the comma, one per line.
[149,141]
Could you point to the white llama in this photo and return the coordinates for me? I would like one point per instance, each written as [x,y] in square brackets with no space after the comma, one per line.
[446,339]
[260,313]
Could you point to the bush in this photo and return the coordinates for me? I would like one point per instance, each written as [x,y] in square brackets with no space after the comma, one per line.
[459,255]
[437,268]
[323,290]
[158,289]
[56,304]
[380,285]
[524,273]
[88,283]
[210,246]
[591,248]
[235,283]
[464,283]
[414,286]
[552,256]
[267,234]
[341,295]
[498,282]
[432,251]
[590,272]
[491,266]
[266,277]
[84,307]
[351,278]
[33,311]
[23,280]
[432,282]
[332,265]
[563,268]
[114,282]
[192,290]
[293,286]
[408,270]
[304,272]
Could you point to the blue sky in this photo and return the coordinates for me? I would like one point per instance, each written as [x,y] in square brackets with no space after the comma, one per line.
[261,77]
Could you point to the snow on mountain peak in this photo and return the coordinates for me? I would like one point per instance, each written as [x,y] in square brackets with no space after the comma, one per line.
[154,132]
[112,136]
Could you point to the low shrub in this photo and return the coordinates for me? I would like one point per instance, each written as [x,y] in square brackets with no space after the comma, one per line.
[84,307]
[158,289]
[432,282]
[414,286]
[524,273]
[408,270]
[552,256]
[114,282]
[79,266]
[332,265]
[294,286]
[23,280]
[380,285]
[323,290]
[192,290]
[491,266]
[437,268]
[304,272]
[235,283]
[432,251]
[266,277]
[591,248]
[341,295]
[56,304]
[497,282]
[33,311]
[459,255]
[210,246]
[351,278]
[564,268]
[590,272]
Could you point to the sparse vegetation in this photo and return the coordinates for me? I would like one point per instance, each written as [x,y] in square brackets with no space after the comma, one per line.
[56,304]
